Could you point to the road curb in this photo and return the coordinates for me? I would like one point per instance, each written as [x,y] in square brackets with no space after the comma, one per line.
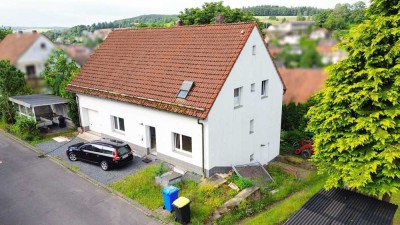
[62,163]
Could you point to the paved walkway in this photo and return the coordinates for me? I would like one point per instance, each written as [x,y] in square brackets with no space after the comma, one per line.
[37,191]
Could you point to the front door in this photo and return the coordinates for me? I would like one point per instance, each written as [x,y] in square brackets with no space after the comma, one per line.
[152,137]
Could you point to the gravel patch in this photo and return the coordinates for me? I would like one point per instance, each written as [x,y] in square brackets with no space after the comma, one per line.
[59,149]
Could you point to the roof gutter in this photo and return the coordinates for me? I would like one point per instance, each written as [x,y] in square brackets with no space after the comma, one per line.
[202,147]
[141,98]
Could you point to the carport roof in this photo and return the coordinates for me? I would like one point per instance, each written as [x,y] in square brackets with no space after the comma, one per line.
[37,100]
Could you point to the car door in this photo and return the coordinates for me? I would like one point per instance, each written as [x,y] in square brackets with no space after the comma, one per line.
[88,153]
[97,155]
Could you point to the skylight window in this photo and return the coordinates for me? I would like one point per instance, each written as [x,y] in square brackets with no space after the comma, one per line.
[185,88]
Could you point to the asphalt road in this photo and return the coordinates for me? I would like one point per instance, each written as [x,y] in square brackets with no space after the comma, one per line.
[38,191]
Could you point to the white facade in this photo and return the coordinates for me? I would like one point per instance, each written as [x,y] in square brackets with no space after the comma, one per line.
[36,55]
[227,136]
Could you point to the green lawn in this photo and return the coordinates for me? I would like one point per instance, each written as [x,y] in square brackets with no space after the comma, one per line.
[396,201]
[204,198]
[69,133]
[281,211]
[265,19]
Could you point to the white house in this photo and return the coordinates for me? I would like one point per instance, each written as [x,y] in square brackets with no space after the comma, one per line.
[26,51]
[203,98]
[291,26]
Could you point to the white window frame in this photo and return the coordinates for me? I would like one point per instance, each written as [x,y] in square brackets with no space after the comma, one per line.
[116,126]
[180,147]
[264,88]
[251,126]
[253,50]
[237,100]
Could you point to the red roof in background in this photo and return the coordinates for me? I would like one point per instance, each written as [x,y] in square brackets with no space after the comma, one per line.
[14,45]
[301,83]
[147,66]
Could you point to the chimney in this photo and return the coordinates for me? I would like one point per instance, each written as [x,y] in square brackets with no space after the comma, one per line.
[34,31]
[219,19]
[179,23]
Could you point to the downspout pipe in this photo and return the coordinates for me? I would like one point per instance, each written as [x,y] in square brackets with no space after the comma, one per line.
[202,146]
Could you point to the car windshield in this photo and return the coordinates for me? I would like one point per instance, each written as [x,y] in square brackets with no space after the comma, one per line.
[123,150]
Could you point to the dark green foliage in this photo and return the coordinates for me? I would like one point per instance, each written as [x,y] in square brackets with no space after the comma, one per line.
[58,72]
[356,123]
[12,82]
[69,35]
[274,10]
[309,58]
[291,138]
[342,17]
[241,182]
[207,13]
[4,31]
[25,128]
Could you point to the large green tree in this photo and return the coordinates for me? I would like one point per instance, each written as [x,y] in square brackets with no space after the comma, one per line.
[58,72]
[207,13]
[12,82]
[4,31]
[356,123]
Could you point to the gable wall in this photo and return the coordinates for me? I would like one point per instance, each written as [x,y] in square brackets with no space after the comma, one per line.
[35,55]
[228,138]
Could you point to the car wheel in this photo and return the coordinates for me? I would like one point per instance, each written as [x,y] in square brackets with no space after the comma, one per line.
[306,154]
[104,165]
[72,156]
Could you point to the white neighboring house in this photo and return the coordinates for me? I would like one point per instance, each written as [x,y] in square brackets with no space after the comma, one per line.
[203,98]
[291,26]
[26,51]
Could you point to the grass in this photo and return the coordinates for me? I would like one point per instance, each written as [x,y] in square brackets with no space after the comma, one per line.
[265,19]
[142,188]
[286,185]
[70,133]
[205,198]
[396,200]
[281,211]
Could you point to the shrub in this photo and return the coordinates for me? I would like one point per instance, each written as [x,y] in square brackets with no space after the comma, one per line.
[160,170]
[25,128]
[241,182]
[288,138]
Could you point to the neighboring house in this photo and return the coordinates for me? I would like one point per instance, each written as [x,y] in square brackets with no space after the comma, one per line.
[318,34]
[26,51]
[301,83]
[200,97]
[291,39]
[329,53]
[79,53]
[291,26]
[344,207]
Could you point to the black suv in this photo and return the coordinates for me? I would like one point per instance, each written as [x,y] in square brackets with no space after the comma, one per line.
[107,153]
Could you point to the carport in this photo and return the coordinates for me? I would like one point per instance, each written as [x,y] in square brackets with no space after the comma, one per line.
[45,109]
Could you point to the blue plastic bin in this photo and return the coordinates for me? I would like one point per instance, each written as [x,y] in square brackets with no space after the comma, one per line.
[170,194]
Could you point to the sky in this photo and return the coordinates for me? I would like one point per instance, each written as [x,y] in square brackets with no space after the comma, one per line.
[67,13]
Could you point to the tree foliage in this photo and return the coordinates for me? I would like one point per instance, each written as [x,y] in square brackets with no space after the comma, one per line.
[309,58]
[12,82]
[4,31]
[274,10]
[356,123]
[58,72]
[207,13]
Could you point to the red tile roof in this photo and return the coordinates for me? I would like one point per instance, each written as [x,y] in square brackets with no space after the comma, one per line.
[301,83]
[147,66]
[14,45]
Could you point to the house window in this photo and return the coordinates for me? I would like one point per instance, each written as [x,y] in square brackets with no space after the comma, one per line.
[237,96]
[251,126]
[182,142]
[43,46]
[30,71]
[253,87]
[254,50]
[264,88]
[119,124]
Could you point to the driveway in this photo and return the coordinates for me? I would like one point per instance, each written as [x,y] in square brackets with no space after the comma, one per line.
[57,149]
[37,191]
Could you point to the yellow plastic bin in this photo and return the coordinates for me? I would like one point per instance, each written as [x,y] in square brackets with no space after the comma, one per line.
[182,210]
